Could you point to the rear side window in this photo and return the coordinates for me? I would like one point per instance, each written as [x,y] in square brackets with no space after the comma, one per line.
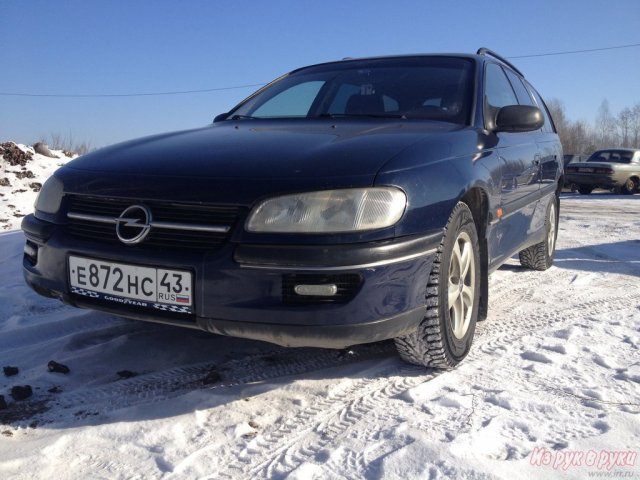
[548,123]
[524,98]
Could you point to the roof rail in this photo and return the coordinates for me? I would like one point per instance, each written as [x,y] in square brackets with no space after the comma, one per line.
[486,51]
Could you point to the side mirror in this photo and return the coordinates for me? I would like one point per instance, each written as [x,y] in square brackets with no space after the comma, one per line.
[519,118]
[219,118]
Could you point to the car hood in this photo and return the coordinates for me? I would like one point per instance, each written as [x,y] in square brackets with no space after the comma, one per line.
[241,162]
[265,149]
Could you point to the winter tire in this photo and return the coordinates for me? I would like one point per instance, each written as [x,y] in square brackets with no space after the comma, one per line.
[540,256]
[444,336]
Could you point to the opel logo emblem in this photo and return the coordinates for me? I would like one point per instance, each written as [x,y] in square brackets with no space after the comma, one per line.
[133,225]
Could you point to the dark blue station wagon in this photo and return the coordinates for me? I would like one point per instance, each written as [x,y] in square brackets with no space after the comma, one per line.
[343,203]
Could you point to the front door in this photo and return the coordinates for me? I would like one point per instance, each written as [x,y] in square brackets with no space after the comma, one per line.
[520,171]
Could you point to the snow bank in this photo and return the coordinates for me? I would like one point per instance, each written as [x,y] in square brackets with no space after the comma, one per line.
[21,179]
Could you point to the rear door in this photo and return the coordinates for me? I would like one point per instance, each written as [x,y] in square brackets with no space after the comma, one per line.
[550,148]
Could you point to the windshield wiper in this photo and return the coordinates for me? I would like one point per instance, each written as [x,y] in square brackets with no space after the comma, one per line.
[243,117]
[370,115]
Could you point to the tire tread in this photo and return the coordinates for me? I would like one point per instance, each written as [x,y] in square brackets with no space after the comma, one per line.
[425,346]
[536,257]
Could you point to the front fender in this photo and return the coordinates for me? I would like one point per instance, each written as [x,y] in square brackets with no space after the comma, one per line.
[434,188]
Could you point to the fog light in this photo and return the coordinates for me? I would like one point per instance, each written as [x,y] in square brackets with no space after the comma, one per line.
[31,251]
[316,290]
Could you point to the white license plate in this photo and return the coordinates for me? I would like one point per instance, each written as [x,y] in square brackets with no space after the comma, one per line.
[158,288]
[585,170]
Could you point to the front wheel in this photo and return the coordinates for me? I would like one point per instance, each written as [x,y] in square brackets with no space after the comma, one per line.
[540,256]
[444,336]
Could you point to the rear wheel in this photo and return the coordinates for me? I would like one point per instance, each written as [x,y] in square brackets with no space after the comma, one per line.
[630,186]
[444,336]
[585,189]
[540,256]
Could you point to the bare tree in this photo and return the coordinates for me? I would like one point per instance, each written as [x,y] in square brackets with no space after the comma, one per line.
[67,144]
[556,109]
[605,125]
[580,138]
[635,126]
[576,137]
[624,126]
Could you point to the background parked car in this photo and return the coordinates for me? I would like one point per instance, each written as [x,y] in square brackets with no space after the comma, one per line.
[615,169]
[568,159]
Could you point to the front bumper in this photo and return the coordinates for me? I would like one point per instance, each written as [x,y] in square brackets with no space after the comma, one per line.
[241,290]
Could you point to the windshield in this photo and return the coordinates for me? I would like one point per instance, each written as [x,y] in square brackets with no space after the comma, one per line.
[611,156]
[435,88]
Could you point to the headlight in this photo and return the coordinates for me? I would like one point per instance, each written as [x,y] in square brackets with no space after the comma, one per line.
[329,211]
[50,196]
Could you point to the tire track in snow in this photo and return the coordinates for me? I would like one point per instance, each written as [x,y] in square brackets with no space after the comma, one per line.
[303,437]
[500,333]
[307,433]
[160,386]
[349,414]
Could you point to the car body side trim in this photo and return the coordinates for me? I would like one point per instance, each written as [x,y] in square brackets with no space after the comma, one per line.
[336,256]
[542,193]
[340,267]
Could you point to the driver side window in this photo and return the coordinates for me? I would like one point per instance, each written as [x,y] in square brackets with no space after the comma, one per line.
[497,93]
[498,90]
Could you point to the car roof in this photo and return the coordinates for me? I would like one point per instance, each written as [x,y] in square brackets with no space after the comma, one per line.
[390,57]
[482,56]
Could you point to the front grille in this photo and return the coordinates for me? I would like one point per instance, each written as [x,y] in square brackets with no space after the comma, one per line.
[348,285]
[207,215]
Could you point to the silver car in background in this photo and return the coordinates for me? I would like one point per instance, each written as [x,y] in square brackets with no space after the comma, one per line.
[612,169]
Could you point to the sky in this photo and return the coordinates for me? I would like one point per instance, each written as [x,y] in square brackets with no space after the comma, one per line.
[143,46]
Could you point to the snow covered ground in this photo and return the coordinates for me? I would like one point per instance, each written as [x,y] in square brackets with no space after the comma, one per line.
[20,183]
[553,378]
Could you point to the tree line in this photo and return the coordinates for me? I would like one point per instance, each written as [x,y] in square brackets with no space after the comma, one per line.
[621,130]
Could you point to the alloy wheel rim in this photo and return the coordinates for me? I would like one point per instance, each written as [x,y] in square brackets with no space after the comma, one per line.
[462,285]
[551,236]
